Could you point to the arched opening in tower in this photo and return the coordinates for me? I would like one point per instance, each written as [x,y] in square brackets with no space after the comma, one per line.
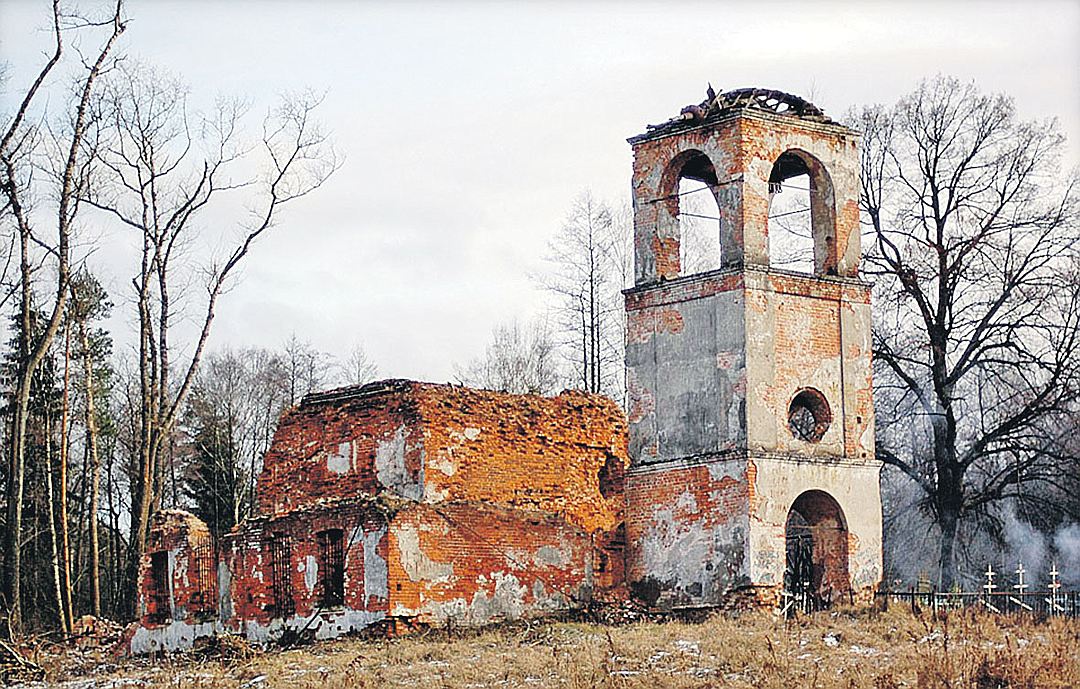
[802,215]
[790,228]
[816,574]
[698,213]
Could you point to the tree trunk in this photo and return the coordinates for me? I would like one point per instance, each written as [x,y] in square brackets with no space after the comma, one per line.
[949,520]
[17,465]
[53,538]
[95,475]
[62,480]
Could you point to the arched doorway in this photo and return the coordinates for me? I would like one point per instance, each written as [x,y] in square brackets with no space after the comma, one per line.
[816,574]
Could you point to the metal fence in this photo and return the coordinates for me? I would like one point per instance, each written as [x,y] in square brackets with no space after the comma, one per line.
[1063,603]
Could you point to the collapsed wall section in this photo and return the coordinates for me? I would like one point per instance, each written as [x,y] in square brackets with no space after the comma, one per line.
[178,596]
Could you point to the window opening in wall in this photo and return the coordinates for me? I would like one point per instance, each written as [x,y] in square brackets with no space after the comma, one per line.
[809,416]
[203,559]
[791,241]
[332,567]
[281,574]
[158,605]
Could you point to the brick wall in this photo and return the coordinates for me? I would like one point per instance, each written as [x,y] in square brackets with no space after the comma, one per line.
[686,531]
[472,564]
[564,454]
[178,573]
[294,540]
[345,445]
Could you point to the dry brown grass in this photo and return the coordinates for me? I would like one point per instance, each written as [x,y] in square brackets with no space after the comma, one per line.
[873,650]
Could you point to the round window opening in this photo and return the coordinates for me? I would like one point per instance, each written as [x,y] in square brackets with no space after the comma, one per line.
[809,416]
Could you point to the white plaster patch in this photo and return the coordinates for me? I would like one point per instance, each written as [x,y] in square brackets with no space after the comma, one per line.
[177,568]
[327,625]
[342,461]
[310,567]
[471,433]
[390,468]
[175,636]
[687,503]
[434,494]
[415,561]
[225,590]
[376,576]
[444,462]
[506,601]
[551,556]
[718,471]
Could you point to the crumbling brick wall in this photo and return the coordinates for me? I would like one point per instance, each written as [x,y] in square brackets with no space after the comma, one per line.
[424,503]
[178,584]
[178,572]
[435,443]
[263,603]
[565,454]
[473,564]
[343,445]
[689,529]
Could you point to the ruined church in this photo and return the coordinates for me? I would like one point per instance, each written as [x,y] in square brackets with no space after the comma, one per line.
[742,472]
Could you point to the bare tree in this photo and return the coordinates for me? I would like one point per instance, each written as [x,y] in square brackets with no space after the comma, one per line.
[160,173]
[973,247]
[358,368]
[22,140]
[304,369]
[519,360]
[585,281]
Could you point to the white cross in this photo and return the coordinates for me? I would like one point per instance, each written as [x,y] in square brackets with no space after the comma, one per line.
[989,585]
[1054,583]
[1020,586]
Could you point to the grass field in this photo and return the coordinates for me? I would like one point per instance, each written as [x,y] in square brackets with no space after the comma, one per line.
[878,650]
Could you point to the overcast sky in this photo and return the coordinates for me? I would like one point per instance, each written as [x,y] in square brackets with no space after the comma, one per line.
[467,130]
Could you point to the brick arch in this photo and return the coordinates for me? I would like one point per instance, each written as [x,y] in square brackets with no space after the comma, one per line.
[665,233]
[793,162]
[816,515]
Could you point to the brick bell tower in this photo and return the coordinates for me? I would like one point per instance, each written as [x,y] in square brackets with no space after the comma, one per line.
[750,403]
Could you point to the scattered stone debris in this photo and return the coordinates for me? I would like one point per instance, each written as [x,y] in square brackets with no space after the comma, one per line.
[224,647]
[95,632]
[15,669]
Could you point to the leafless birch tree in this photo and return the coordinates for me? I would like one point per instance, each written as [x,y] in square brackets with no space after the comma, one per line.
[162,171]
[23,141]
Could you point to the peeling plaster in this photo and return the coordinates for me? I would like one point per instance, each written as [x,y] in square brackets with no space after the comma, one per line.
[225,602]
[415,561]
[310,567]
[376,581]
[551,556]
[390,467]
[175,636]
[343,460]
[325,625]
